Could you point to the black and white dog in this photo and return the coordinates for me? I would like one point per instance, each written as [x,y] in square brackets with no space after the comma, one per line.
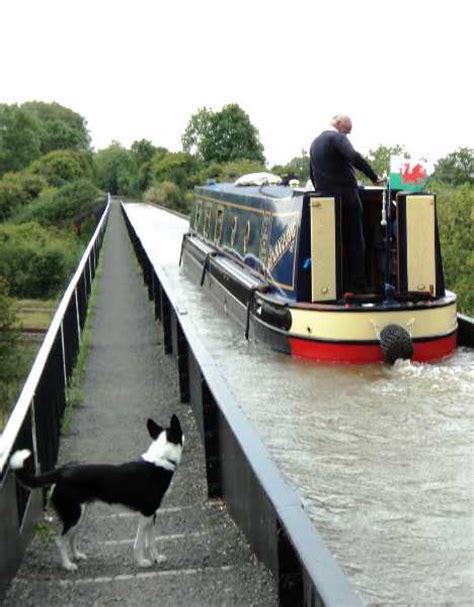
[139,485]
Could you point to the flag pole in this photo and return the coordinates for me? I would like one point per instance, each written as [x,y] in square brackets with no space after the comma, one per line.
[388,287]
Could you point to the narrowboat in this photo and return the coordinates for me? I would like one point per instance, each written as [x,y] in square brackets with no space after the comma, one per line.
[274,257]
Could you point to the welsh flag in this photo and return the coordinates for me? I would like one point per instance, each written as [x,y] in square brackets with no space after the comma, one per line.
[406,174]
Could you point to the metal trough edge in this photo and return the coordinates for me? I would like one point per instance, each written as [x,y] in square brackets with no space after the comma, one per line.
[239,468]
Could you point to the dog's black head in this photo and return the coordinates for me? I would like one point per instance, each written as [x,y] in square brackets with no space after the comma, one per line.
[174,434]
[167,443]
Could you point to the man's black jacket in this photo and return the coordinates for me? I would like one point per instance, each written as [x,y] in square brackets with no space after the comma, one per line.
[333,161]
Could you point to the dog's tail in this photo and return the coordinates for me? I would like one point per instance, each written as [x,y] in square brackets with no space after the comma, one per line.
[17,462]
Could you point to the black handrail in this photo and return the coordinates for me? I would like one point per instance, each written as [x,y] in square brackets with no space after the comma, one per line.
[35,421]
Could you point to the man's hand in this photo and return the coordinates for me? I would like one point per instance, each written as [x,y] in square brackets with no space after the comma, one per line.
[381,181]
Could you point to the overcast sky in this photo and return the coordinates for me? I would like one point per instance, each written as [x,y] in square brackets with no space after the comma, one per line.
[136,69]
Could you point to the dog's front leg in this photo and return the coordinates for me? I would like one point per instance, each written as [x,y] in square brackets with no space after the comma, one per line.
[62,542]
[77,555]
[151,543]
[140,547]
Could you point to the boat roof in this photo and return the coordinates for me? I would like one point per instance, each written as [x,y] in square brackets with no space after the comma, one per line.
[232,191]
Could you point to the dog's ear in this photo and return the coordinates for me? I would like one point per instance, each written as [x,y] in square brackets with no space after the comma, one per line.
[153,428]
[175,432]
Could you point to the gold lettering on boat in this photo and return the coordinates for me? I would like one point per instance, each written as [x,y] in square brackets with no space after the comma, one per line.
[282,245]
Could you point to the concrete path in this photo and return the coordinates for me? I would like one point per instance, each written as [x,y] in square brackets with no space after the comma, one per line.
[128,378]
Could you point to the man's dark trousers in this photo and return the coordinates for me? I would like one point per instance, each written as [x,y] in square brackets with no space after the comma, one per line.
[353,240]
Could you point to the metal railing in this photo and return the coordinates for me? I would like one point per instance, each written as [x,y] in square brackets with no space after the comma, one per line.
[238,467]
[35,422]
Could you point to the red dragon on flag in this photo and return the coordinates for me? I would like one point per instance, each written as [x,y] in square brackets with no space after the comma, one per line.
[413,174]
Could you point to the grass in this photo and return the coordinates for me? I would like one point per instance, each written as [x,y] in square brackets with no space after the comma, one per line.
[74,395]
[44,532]
[10,390]
[34,315]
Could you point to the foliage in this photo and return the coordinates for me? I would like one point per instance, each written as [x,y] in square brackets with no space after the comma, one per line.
[59,127]
[178,167]
[297,168]
[455,209]
[197,129]
[20,141]
[143,151]
[36,128]
[70,202]
[17,190]
[62,166]
[230,171]
[34,260]
[222,136]
[166,194]
[8,336]
[9,368]
[115,169]
[379,158]
[457,168]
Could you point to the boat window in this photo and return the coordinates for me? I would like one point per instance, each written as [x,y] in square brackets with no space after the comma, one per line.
[218,230]
[234,231]
[207,222]
[246,236]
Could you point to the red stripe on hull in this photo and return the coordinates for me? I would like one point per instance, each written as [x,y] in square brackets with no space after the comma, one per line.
[429,350]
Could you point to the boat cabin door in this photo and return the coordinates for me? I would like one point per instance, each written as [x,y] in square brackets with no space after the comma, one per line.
[326,283]
[417,246]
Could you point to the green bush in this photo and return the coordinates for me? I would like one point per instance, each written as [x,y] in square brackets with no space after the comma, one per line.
[455,208]
[62,166]
[9,357]
[36,261]
[115,169]
[178,167]
[230,171]
[166,193]
[17,190]
[67,203]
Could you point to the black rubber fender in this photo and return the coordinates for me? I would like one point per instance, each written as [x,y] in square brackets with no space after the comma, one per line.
[396,343]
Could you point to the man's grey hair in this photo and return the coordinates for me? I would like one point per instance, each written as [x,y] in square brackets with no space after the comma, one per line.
[337,118]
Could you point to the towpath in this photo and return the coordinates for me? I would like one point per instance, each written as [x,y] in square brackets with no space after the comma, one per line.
[127,379]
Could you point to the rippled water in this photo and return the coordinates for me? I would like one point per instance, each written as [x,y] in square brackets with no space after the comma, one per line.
[382,458]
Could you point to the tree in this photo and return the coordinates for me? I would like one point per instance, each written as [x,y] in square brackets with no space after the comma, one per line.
[36,261]
[142,154]
[115,169]
[380,157]
[17,190]
[9,368]
[297,168]
[36,128]
[179,167]
[455,211]
[143,151]
[62,166]
[223,136]
[199,128]
[457,168]
[70,203]
[60,127]
[20,141]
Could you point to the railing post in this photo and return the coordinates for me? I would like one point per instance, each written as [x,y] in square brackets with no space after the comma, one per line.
[77,315]
[290,577]
[166,323]
[183,363]
[211,442]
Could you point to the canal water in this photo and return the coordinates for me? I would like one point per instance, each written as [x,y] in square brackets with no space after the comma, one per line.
[382,458]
